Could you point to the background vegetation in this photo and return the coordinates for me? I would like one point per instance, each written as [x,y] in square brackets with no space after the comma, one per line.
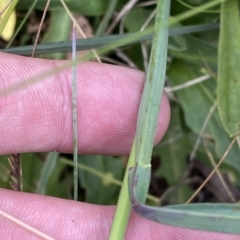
[196,139]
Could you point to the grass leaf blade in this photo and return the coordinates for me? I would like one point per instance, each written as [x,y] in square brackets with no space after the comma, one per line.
[228,67]
[150,102]
[97,42]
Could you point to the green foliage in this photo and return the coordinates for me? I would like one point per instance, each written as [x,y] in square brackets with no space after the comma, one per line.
[173,151]
[59,30]
[196,2]
[31,170]
[196,102]
[49,165]
[85,7]
[198,52]
[103,188]
[4,172]
[60,182]
[141,15]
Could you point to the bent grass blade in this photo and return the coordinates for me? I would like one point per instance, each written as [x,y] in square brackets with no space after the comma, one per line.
[208,217]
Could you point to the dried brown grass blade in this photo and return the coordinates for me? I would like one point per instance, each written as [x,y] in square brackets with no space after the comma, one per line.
[40,27]
[214,170]
[15,172]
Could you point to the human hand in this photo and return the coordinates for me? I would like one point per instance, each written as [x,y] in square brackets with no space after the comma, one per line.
[38,118]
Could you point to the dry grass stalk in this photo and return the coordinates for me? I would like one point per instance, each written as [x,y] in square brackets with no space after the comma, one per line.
[15,172]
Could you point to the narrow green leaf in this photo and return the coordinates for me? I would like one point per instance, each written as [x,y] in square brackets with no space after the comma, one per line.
[209,217]
[97,42]
[228,67]
[150,102]
[46,171]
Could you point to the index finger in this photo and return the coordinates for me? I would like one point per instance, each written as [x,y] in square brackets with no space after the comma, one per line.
[38,117]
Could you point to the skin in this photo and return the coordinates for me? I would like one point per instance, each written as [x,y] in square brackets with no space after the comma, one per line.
[38,118]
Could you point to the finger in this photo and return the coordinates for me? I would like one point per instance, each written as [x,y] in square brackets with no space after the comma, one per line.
[38,117]
[65,219]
